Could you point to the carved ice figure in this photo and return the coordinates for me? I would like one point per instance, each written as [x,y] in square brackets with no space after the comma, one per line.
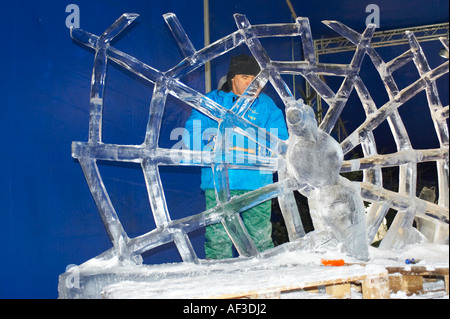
[315,158]
[309,162]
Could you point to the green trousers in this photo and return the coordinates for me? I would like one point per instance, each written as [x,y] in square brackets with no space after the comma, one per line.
[256,220]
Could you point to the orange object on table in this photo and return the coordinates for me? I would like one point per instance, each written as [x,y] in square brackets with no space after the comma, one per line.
[333,262]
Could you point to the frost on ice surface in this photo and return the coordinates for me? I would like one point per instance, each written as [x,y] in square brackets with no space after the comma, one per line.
[309,162]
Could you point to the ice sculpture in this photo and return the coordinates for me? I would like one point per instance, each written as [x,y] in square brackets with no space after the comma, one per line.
[309,162]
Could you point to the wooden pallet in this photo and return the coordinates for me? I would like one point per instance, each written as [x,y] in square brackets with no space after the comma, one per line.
[373,285]
[371,288]
[338,282]
[291,281]
[411,279]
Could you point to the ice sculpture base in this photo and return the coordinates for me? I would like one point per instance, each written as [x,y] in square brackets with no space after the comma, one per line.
[90,279]
[295,263]
[252,283]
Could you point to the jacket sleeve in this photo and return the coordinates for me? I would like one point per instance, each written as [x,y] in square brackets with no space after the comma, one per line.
[194,127]
[200,129]
[276,121]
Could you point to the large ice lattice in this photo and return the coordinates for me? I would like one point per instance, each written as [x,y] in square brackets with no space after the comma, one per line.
[309,162]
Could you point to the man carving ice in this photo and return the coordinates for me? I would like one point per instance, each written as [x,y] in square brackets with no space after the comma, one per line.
[202,132]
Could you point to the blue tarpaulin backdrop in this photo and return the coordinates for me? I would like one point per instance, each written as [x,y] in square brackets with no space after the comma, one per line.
[48,216]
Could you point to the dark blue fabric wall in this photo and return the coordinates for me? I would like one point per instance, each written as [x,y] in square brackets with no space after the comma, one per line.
[48,217]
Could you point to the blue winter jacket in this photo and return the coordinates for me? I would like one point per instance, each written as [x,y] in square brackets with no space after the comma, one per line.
[263,112]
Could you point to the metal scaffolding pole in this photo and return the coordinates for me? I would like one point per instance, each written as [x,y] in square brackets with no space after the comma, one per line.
[379,39]
[383,38]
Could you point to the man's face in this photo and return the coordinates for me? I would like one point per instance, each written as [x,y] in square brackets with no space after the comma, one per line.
[240,82]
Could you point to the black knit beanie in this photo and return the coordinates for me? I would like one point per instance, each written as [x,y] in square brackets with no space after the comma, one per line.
[241,64]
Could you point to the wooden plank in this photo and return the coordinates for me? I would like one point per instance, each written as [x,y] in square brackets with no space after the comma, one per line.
[412,284]
[410,279]
[339,291]
[446,284]
[376,287]
[419,270]
[275,294]
[395,282]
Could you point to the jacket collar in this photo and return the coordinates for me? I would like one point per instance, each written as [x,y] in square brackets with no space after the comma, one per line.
[228,94]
